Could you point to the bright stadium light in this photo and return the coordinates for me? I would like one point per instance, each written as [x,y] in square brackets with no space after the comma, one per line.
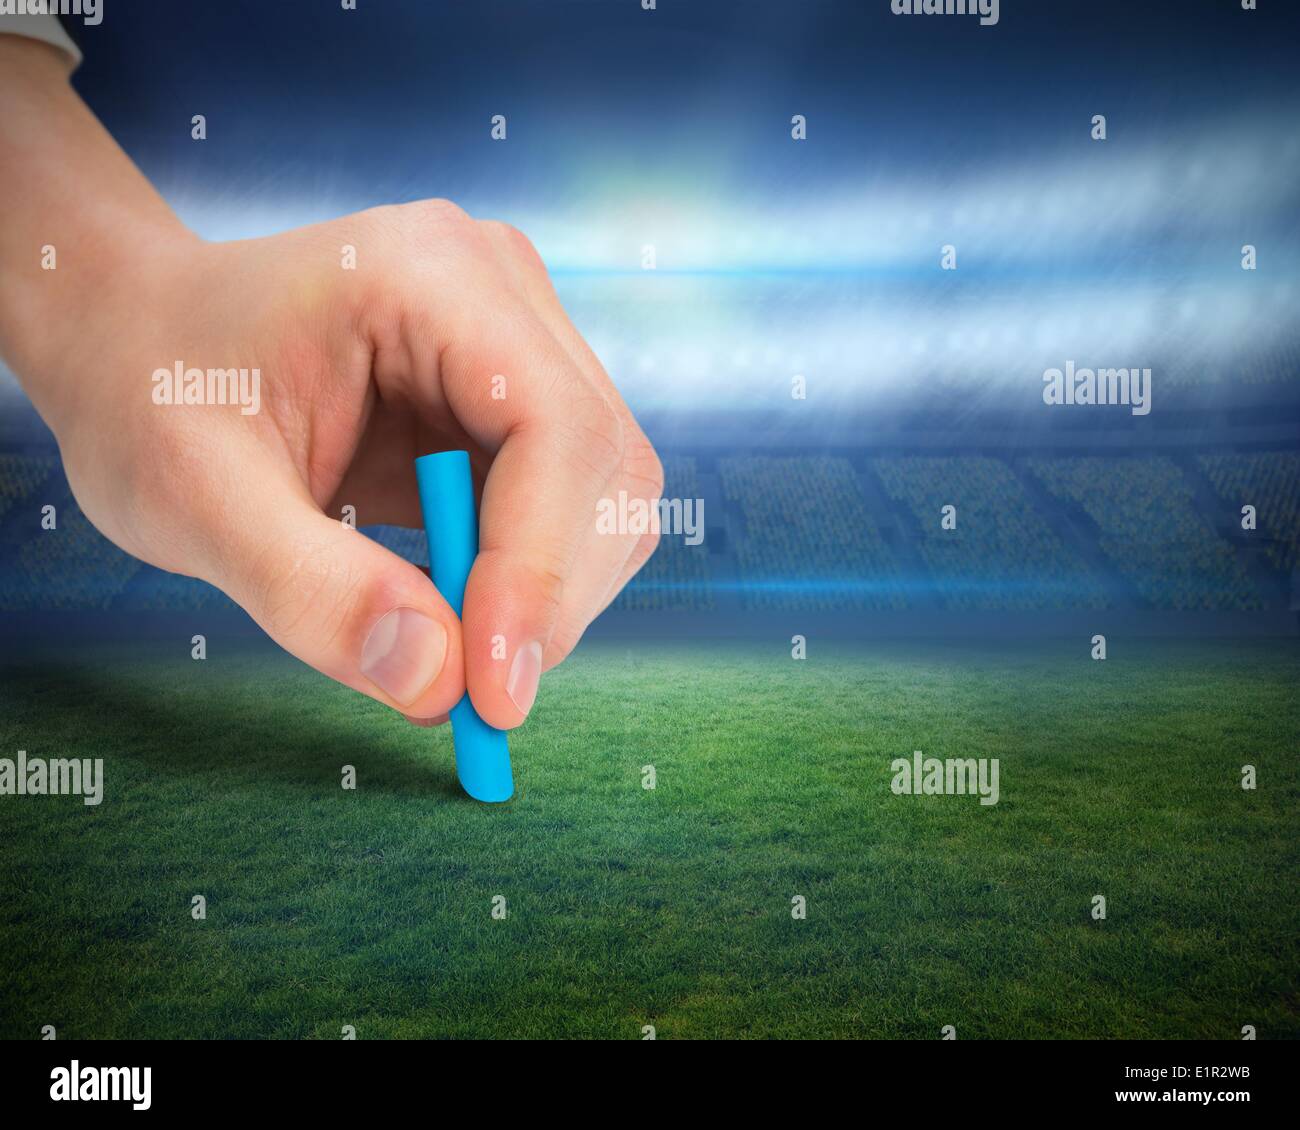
[844,275]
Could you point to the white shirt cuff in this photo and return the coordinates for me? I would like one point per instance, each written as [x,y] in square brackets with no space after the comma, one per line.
[45,28]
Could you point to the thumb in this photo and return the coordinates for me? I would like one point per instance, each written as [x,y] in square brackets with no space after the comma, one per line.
[344,604]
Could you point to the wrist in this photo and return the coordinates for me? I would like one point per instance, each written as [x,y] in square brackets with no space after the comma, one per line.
[81,226]
[78,321]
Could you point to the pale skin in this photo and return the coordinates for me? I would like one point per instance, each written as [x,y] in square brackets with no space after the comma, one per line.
[361,372]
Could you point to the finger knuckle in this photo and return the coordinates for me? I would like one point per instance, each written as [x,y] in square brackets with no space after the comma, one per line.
[423,232]
[643,551]
[548,583]
[515,241]
[642,463]
[598,435]
[562,643]
[310,591]
[439,214]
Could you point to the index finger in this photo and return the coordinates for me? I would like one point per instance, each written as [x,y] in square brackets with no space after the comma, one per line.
[558,445]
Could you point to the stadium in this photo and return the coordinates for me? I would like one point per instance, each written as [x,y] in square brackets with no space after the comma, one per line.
[1050,528]
[840,349]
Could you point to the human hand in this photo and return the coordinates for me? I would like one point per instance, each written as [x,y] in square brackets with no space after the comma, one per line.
[447,334]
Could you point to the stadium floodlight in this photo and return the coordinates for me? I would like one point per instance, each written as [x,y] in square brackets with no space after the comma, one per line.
[451,527]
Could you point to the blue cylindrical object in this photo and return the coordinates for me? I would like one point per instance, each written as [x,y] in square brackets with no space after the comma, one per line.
[451,526]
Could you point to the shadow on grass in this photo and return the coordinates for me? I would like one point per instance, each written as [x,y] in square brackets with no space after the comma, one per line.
[179,727]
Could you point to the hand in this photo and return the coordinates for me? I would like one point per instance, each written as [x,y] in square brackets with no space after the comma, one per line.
[448,334]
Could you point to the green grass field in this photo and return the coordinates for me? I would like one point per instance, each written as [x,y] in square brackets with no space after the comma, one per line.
[671,907]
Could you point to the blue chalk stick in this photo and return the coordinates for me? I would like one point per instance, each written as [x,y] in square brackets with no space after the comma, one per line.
[451,525]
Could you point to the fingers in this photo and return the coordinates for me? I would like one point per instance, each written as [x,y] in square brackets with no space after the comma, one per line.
[342,603]
[557,459]
[557,446]
[546,429]
[429,723]
[609,558]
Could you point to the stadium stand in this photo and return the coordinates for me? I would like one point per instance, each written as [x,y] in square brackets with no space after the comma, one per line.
[71,567]
[808,542]
[1001,553]
[1270,482]
[1151,531]
[153,590]
[20,476]
[677,576]
[821,533]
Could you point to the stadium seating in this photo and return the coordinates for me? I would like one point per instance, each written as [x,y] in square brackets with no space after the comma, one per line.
[799,533]
[153,590]
[1001,553]
[20,475]
[1150,528]
[1270,482]
[677,576]
[809,542]
[71,567]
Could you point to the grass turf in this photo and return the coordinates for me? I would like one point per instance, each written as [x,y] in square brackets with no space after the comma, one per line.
[670,907]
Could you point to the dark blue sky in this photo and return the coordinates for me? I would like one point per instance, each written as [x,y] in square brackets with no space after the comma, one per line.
[392,100]
[671,128]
